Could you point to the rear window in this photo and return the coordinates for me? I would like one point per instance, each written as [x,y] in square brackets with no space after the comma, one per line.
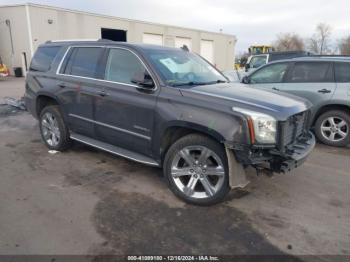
[84,61]
[310,72]
[342,72]
[43,58]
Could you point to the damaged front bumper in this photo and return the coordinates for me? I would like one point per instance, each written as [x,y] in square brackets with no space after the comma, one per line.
[267,158]
[294,155]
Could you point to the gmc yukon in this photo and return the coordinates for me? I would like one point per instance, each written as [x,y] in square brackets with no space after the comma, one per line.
[168,108]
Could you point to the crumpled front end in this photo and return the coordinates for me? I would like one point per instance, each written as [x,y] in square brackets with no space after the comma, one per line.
[293,145]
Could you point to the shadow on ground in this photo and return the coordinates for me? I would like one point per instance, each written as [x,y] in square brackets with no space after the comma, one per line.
[138,223]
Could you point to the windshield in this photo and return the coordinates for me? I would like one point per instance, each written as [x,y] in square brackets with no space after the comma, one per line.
[181,68]
[258,61]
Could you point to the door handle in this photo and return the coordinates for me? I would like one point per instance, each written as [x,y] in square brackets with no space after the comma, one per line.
[275,88]
[102,93]
[62,85]
[324,91]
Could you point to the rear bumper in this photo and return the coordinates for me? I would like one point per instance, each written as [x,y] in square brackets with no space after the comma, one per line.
[30,105]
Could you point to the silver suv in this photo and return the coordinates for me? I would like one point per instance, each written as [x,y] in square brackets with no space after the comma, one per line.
[325,81]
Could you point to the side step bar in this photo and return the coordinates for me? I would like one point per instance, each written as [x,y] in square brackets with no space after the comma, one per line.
[114,149]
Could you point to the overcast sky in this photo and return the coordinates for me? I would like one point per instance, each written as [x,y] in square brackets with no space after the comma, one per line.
[251,21]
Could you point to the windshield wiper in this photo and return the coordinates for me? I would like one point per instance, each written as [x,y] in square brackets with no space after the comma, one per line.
[219,81]
[192,83]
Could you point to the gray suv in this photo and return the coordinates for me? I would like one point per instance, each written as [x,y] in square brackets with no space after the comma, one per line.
[325,81]
[168,108]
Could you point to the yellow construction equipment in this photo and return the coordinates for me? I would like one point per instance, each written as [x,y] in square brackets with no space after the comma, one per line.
[260,49]
[4,71]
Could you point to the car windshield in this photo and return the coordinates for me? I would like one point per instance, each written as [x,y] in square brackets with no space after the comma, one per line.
[258,61]
[182,68]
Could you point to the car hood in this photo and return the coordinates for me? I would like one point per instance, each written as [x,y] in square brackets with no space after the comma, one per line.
[279,105]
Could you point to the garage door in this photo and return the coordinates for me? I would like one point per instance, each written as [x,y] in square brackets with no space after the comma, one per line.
[181,41]
[207,50]
[152,39]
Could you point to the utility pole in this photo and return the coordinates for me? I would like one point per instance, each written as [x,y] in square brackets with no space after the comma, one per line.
[8,23]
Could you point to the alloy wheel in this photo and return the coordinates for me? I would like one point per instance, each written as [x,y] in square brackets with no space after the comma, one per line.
[50,129]
[198,172]
[334,129]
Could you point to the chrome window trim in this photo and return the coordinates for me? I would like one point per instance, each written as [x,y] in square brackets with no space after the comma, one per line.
[111,127]
[103,80]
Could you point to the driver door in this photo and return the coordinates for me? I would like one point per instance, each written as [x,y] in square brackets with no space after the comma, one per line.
[125,111]
[269,77]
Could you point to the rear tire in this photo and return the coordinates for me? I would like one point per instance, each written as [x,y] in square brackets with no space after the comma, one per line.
[54,131]
[333,128]
[196,170]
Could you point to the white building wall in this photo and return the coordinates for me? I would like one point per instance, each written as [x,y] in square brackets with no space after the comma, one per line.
[17,17]
[49,23]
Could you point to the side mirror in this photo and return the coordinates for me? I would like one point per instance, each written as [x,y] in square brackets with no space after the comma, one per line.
[247,66]
[245,80]
[143,80]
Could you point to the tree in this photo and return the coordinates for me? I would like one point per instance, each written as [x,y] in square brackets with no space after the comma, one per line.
[319,42]
[289,42]
[344,46]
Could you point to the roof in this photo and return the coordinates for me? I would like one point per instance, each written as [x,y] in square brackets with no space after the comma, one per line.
[323,58]
[315,59]
[112,17]
[106,42]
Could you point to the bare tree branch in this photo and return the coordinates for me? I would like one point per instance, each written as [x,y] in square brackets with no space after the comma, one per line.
[344,46]
[319,42]
[289,42]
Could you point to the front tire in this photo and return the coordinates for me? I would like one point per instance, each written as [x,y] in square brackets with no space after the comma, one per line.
[196,170]
[333,128]
[54,131]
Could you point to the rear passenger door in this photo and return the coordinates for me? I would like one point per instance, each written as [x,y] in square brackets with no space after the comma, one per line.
[342,77]
[311,80]
[78,87]
[125,114]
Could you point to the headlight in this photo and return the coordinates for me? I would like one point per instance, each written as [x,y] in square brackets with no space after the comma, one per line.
[264,126]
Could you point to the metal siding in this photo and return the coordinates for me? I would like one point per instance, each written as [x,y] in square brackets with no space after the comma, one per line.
[69,24]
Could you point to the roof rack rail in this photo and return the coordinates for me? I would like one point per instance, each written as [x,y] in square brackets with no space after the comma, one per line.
[70,40]
[104,40]
[331,55]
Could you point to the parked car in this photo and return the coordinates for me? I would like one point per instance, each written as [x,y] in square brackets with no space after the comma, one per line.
[325,81]
[256,61]
[168,108]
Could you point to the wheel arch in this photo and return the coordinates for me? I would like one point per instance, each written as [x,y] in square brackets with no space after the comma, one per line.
[178,129]
[329,107]
[43,100]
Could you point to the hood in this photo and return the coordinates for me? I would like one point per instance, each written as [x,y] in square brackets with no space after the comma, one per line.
[279,105]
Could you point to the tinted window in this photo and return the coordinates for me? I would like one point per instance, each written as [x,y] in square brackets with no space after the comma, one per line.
[122,65]
[310,72]
[270,74]
[43,58]
[84,61]
[342,72]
